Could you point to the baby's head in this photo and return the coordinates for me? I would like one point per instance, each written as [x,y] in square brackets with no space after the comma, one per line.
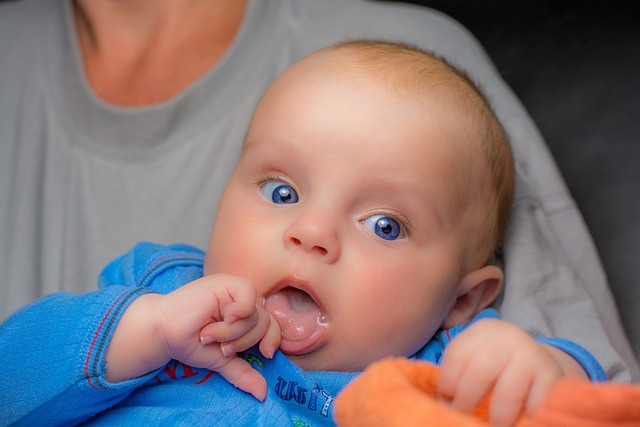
[372,191]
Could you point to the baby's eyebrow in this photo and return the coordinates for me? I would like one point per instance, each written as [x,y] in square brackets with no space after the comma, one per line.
[427,203]
[434,205]
[435,213]
[250,141]
[247,143]
[420,202]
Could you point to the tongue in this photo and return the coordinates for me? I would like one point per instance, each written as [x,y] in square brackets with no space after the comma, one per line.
[301,320]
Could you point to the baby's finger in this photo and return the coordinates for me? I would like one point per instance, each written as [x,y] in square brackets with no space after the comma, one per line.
[455,362]
[476,379]
[472,388]
[455,365]
[225,331]
[509,395]
[271,340]
[240,300]
[240,373]
[250,337]
[542,385]
[451,371]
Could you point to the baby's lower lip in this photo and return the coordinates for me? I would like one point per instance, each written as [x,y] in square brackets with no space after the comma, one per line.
[301,320]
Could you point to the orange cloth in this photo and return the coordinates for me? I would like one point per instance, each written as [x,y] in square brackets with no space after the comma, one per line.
[401,392]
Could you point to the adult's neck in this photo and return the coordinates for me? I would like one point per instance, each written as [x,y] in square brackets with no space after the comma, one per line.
[140,52]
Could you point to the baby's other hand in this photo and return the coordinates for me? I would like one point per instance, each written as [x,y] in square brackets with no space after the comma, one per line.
[205,322]
[495,356]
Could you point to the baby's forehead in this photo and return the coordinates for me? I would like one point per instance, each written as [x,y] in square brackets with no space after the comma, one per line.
[404,71]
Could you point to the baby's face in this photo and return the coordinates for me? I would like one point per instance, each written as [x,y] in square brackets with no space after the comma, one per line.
[342,212]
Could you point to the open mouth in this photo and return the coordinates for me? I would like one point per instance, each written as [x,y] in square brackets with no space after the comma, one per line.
[301,320]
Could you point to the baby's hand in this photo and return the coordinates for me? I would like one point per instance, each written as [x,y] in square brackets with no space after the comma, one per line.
[205,322]
[495,356]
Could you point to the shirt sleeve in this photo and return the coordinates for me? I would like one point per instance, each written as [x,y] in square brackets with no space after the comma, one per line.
[53,354]
[54,349]
[158,267]
[589,363]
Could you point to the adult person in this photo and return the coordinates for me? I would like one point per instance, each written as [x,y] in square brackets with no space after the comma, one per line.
[105,106]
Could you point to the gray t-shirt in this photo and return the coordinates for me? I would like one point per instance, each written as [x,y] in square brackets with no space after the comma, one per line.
[81,181]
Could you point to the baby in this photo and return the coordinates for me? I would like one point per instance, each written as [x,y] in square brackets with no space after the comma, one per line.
[360,222]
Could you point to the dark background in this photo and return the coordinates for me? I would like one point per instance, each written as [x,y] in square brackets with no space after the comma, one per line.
[576,68]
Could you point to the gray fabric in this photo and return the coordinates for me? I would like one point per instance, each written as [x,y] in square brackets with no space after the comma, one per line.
[82,181]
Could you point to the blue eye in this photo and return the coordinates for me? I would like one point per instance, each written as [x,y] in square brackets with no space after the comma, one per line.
[384,227]
[279,193]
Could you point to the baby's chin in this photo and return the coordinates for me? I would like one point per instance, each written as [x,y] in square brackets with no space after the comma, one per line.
[324,359]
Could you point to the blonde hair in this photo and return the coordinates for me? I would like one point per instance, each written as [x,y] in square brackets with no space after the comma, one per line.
[406,68]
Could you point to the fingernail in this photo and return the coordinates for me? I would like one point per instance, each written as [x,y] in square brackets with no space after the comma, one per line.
[268,352]
[228,349]
[207,339]
[272,351]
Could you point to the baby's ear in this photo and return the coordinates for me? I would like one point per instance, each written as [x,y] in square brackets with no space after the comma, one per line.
[476,291]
